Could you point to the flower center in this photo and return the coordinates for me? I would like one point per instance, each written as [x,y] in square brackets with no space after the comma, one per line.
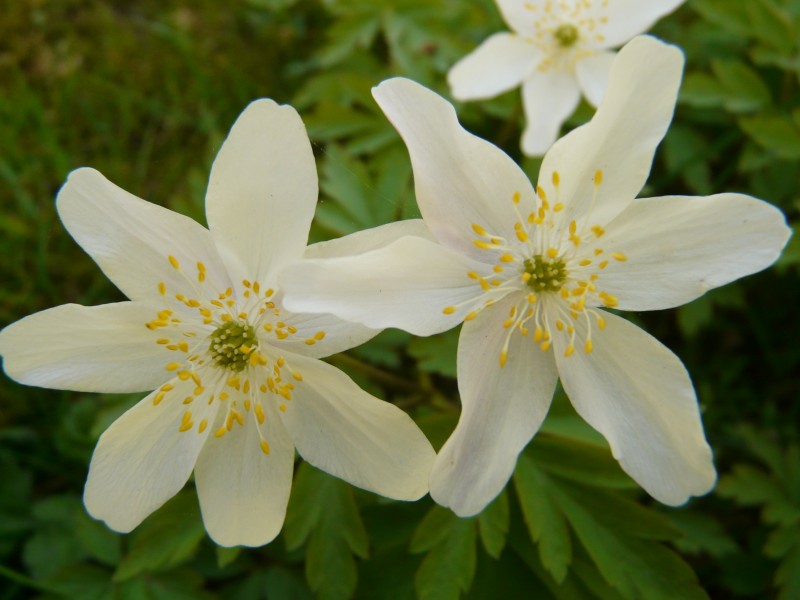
[566,35]
[546,275]
[231,345]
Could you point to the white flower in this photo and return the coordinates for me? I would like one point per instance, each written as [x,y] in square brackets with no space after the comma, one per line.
[530,271]
[237,382]
[558,50]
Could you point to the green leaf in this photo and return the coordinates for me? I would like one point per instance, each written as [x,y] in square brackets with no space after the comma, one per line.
[323,512]
[772,25]
[493,525]
[226,556]
[449,565]
[774,132]
[701,533]
[545,521]
[53,546]
[787,577]
[726,14]
[166,538]
[98,540]
[744,90]
[637,568]
[436,354]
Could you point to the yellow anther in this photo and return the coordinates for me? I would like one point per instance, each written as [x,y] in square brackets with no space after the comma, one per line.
[234,382]
[570,350]
[484,284]
[541,193]
[478,229]
[598,232]
[184,375]
[319,336]
[558,207]
[603,264]
[259,413]
[552,252]
[246,386]
[598,251]
[473,275]
[556,178]
[498,268]
[282,408]
[516,197]
[162,288]
[282,335]
[449,310]
[158,398]
[503,358]
[601,323]
[174,262]
[545,346]
[508,323]
[192,303]
[291,329]
[220,432]
[162,341]
[268,327]
[608,299]
[246,283]
[522,235]
[538,334]
[531,299]
[560,325]
[256,287]
[526,277]
[186,423]
[173,366]
[167,387]
[619,256]
[506,258]
[224,395]
[471,316]
[483,245]
[585,263]
[264,447]
[202,426]
[188,400]
[238,417]
[573,228]
[598,177]
[247,405]
[199,390]
[588,347]
[282,361]
[183,346]
[196,378]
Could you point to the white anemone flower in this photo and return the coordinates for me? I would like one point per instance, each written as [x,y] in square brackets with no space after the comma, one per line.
[238,384]
[531,272]
[557,49]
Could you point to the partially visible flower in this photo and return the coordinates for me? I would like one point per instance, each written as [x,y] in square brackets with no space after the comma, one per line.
[531,272]
[557,50]
[237,382]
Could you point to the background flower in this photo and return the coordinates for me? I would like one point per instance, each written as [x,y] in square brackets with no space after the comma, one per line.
[556,51]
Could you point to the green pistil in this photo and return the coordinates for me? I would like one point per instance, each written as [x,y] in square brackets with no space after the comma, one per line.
[226,345]
[566,35]
[547,275]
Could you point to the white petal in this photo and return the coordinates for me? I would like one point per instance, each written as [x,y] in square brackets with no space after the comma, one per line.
[243,491]
[406,285]
[368,239]
[131,239]
[502,408]
[339,335]
[499,64]
[593,73]
[142,460]
[627,18]
[521,16]
[621,138]
[678,248]
[637,393]
[262,191]
[549,98]
[460,179]
[86,348]
[341,429]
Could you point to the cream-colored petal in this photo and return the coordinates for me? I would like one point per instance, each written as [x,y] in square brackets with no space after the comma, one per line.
[142,460]
[369,239]
[593,73]
[103,348]
[460,179]
[637,393]
[502,408]
[243,491]
[678,248]
[499,64]
[549,98]
[406,284]
[621,139]
[627,18]
[343,430]
[131,240]
[262,191]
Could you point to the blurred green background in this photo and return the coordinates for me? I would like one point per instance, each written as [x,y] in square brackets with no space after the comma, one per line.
[145,92]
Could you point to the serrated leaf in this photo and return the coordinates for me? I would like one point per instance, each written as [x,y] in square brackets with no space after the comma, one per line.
[701,533]
[776,133]
[744,90]
[493,523]
[449,565]
[323,512]
[637,568]
[544,520]
[432,530]
[166,538]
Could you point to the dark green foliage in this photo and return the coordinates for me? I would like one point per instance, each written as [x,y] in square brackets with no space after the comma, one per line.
[146,91]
